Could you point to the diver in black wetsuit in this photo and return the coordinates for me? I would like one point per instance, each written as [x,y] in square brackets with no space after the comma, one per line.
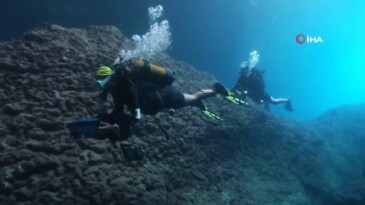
[251,83]
[140,87]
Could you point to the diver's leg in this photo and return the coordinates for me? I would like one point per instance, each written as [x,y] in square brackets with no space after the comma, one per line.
[287,101]
[202,94]
[278,100]
[191,98]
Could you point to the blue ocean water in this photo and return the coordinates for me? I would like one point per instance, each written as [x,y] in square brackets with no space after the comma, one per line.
[216,36]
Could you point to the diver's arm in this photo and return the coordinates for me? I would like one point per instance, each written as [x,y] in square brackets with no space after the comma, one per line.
[103,95]
[133,94]
[105,91]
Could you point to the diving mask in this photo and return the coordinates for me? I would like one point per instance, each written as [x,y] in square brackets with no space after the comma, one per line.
[102,82]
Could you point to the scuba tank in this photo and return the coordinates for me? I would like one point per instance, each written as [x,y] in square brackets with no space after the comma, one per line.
[151,73]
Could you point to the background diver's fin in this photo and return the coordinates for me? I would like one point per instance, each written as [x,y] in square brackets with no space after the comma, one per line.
[85,126]
[289,106]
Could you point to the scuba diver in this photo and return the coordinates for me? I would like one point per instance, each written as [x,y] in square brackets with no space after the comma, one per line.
[139,87]
[251,83]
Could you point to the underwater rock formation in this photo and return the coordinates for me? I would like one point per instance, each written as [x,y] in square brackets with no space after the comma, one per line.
[343,155]
[252,157]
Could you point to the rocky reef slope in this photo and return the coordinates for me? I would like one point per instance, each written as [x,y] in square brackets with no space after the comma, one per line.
[342,156]
[252,157]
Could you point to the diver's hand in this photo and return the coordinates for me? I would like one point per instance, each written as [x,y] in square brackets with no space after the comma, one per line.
[137,115]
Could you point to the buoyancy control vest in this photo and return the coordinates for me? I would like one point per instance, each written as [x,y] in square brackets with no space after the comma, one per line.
[250,79]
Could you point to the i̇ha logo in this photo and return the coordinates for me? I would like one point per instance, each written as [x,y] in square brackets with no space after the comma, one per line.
[302,39]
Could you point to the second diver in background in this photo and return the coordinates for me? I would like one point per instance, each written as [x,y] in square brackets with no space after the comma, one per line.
[251,83]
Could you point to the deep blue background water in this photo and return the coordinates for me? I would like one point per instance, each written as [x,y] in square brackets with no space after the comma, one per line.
[217,35]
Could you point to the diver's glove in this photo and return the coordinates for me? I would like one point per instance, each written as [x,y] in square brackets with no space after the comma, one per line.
[137,114]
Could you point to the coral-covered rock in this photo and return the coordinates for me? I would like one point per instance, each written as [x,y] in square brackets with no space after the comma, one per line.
[12,109]
[251,157]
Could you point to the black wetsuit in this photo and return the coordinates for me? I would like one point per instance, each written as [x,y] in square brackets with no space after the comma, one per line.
[252,81]
[124,94]
[139,89]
